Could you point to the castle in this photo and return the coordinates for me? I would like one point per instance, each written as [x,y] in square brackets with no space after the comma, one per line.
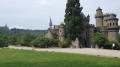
[105,23]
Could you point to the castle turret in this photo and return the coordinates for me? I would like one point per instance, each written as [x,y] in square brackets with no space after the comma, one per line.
[112,27]
[61,33]
[99,18]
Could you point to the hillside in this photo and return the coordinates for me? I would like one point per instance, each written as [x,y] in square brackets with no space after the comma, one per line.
[15,31]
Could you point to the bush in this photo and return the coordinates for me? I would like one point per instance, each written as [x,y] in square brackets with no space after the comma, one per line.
[117,46]
[44,42]
[39,42]
[25,39]
[53,42]
[108,45]
[3,41]
[65,44]
[100,39]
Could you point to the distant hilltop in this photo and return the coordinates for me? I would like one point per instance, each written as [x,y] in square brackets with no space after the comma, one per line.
[4,30]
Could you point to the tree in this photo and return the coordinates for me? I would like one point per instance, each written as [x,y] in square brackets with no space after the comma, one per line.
[99,39]
[73,20]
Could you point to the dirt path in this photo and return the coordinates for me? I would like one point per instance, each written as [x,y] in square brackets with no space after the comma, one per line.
[87,51]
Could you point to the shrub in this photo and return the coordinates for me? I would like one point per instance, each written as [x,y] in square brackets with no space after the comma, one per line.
[65,44]
[44,42]
[3,41]
[100,39]
[26,39]
[52,42]
[117,46]
[39,42]
[108,45]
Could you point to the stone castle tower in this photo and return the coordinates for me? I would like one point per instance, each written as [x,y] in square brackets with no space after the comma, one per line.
[99,18]
[107,24]
[61,33]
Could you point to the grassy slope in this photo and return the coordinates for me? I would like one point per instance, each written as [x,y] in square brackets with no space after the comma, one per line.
[21,58]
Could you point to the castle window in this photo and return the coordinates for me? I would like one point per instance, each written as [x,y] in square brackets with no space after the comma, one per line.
[110,24]
[113,24]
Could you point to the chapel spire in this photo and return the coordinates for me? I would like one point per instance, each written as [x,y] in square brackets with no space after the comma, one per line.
[50,23]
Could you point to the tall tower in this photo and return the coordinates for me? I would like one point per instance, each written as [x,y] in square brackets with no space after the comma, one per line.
[99,18]
[61,33]
[50,24]
[113,28]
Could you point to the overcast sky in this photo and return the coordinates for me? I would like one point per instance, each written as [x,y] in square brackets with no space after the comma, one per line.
[35,14]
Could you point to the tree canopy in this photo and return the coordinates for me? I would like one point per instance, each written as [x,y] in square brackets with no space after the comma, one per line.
[99,39]
[73,20]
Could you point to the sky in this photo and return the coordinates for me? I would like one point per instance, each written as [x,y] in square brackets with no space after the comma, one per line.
[35,14]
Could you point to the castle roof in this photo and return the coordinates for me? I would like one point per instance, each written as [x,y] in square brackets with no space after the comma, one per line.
[110,16]
[50,24]
[99,8]
[106,15]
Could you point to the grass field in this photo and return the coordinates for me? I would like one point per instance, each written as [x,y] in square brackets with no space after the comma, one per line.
[22,58]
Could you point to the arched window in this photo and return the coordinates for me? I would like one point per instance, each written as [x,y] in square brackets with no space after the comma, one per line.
[110,24]
[113,24]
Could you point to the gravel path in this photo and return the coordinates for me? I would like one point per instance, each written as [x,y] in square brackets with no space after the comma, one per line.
[86,51]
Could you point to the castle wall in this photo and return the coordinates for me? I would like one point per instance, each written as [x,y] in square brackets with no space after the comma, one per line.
[112,36]
[91,32]
[99,22]
[105,17]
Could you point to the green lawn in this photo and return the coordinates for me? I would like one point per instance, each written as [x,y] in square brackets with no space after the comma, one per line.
[22,58]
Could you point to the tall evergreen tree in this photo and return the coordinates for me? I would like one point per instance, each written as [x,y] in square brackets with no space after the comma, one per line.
[73,20]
